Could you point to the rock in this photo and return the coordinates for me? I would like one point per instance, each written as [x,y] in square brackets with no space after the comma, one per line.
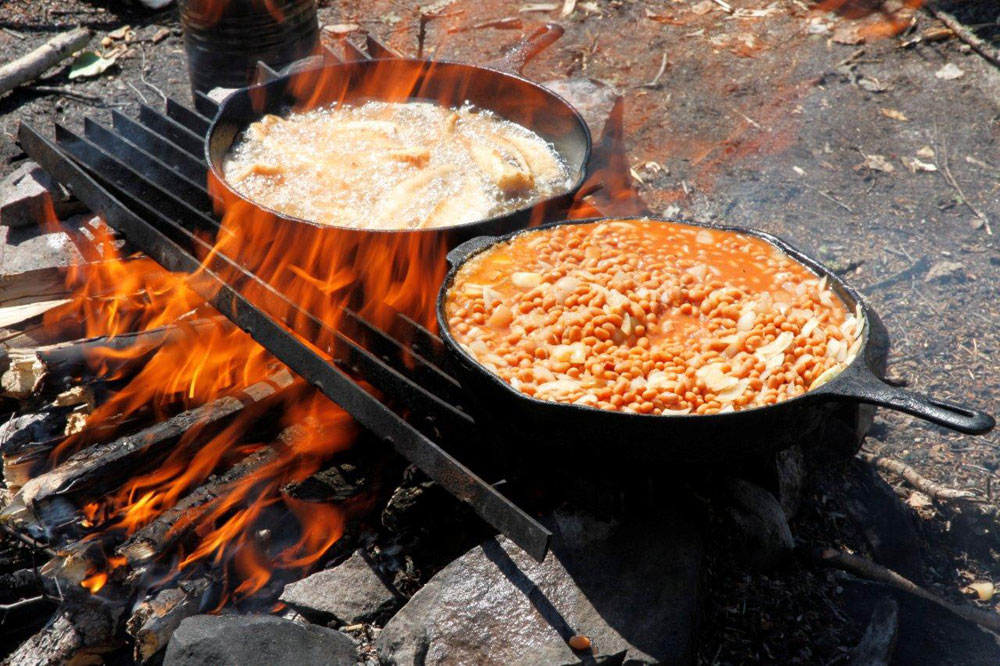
[791,470]
[594,100]
[761,523]
[348,593]
[879,640]
[631,589]
[248,640]
[28,196]
[946,271]
[928,635]
[886,523]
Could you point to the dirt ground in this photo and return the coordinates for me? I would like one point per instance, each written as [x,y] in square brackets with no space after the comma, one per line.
[881,157]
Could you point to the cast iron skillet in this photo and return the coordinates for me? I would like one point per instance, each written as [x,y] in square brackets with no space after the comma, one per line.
[452,84]
[577,429]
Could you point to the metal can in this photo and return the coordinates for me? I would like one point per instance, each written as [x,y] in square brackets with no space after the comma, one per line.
[224,39]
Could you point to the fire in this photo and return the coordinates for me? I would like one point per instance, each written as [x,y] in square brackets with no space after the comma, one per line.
[95,583]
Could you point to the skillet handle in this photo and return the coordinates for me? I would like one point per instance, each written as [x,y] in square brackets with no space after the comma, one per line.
[517,56]
[866,387]
[460,253]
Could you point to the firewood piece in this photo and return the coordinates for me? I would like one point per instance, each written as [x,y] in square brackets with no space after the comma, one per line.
[879,640]
[32,286]
[78,634]
[914,478]
[19,584]
[31,66]
[172,525]
[155,620]
[97,469]
[863,568]
[23,375]
[15,314]
[26,440]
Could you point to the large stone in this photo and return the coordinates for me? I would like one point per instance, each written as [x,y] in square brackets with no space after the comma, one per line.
[929,635]
[349,593]
[28,195]
[632,589]
[249,640]
[761,525]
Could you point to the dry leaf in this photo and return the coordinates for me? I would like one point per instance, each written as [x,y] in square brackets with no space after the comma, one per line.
[916,165]
[926,152]
[703,7]
[949,72]
[341,28]
[871,84]
[983,590]
[539,7]
[160,35]
[893,113]
[877,163]
[847,35]
[918,500]
[568,7]
[120,33]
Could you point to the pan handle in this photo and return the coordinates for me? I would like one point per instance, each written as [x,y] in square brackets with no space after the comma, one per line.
[460,253]
[868,388]
[517,56]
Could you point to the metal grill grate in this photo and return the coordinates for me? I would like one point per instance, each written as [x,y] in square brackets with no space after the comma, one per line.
[147,178]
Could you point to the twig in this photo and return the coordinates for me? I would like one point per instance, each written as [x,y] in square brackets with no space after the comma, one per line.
[27,540]
[863,568]
[137,92]
[13,33]
[726,7]
[5,608]
[823,194]
[964,33]
[915,479]
[142,77]
[656,79]
[950,179]
[34,64]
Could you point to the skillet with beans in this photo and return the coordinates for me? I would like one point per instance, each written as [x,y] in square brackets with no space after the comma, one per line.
[650,317]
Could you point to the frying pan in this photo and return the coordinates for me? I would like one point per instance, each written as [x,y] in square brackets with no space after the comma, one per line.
[400,79]
[581,430]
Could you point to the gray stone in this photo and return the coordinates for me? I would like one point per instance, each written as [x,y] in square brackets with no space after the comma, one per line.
[630,588]
[28,195]
[349,593]
[761,524]
[249,640]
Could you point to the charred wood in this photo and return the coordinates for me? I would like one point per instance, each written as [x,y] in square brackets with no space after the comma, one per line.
[19,585]
[99,468]
[879,640]
[80,633]
[155,619]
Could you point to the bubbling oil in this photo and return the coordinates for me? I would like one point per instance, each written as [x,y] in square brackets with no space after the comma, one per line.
[389,165]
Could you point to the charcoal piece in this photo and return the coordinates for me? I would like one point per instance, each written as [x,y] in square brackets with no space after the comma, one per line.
[241,640]
[631,588]
[349,593]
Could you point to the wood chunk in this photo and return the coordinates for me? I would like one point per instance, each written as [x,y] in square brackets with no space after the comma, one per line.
[26,440]
[80,633]
[34,64]
[176,522]
[155,619]
[97,469]
[23,376]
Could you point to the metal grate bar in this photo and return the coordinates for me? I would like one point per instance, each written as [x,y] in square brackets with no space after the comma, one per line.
[379,50]
[330,56]
[151,168]
[205,105]
[177,133]
[165,151]
[353,52]
[485,500]
[193,120]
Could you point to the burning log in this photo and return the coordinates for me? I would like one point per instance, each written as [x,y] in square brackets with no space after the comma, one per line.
[154,620]
[79,633]
[97,469]
[27,439]
[64,361]
[175,523]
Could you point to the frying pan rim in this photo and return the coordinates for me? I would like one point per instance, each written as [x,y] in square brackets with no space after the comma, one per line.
[216,171]
[826,391]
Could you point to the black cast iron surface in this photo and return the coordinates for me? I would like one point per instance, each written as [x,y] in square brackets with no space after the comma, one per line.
[693,437]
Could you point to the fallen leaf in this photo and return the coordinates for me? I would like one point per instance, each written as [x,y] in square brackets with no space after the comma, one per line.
[983,590]
[915,165]
[569,6]
[341,28]
[893,113]
[799,170]
[871,84]
[847,35]
[120,33]
[662,18]
[918,500]
[160,35]
[926,152]
[817,27]
[89,64]
[877,163]
[539,7]
[949,72]
[703,7]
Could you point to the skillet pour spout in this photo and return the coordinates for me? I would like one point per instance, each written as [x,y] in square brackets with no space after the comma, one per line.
[844,406]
